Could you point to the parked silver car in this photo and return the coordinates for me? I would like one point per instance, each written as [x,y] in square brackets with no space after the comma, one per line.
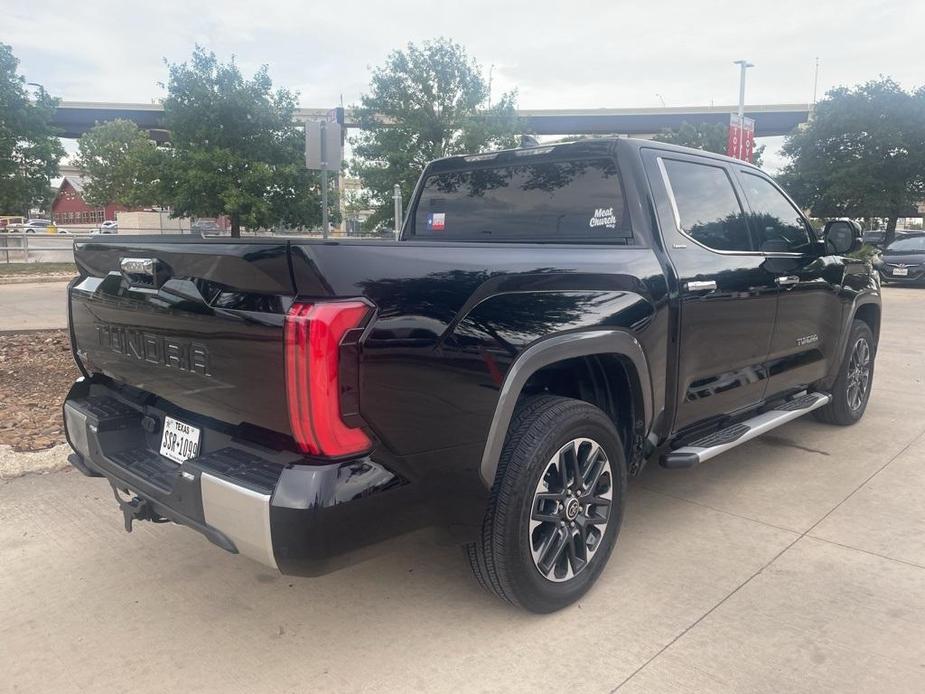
[35,226]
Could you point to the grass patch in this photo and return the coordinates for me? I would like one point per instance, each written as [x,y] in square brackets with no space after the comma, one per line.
[26,269]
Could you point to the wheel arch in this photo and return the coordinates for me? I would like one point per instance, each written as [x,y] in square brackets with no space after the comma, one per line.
[869,312]
[612,354]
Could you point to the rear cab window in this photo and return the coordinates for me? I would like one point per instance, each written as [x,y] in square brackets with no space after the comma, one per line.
[576,200]
[706,205]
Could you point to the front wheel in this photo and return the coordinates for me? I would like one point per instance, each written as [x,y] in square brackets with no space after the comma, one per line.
[851,390]
[556,505]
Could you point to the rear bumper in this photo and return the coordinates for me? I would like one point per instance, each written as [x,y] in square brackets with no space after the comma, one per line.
[303,519]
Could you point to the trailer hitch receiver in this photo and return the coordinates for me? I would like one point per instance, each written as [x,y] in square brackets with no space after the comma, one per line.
[135,508]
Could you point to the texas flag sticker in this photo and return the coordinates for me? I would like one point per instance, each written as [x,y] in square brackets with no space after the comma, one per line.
[436,221]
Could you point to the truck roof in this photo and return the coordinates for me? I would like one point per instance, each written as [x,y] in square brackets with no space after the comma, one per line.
[601,146]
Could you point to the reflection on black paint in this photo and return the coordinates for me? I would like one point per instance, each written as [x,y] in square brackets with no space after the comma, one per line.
[739,231]
[724,382]
[426,308]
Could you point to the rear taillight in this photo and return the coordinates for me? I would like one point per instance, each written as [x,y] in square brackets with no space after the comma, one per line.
[313,334]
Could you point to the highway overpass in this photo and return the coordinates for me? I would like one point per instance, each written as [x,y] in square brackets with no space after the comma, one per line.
[74,118]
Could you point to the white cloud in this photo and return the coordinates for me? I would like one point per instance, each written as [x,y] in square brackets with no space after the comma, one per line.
[603,53]
[558,54]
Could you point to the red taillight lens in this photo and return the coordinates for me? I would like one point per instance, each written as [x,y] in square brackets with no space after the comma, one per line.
[313,337]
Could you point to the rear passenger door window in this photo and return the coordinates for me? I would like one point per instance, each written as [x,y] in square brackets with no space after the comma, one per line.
[707,207]
[569,201]
[776,224]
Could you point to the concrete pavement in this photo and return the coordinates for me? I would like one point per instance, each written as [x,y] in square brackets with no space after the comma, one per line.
[794,563]
[33,306]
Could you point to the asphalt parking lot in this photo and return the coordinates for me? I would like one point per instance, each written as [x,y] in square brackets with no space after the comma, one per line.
[794,563]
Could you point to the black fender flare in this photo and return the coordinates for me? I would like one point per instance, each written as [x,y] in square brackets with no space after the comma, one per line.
[863,298]
[548,351]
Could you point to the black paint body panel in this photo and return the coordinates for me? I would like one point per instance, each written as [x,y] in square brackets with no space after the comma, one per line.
[450,319]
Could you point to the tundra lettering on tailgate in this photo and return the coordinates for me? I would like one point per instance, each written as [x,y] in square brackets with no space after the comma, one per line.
[155,349]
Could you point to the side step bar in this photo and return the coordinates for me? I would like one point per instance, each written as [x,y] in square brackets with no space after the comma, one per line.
[718,442]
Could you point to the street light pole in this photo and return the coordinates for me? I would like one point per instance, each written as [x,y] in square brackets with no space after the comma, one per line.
[396,199]
[743,66]
[324,180]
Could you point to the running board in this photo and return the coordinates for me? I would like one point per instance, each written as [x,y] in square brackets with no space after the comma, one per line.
[718,442]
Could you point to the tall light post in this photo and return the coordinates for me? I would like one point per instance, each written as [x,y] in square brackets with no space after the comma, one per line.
[396,200]
[743,66]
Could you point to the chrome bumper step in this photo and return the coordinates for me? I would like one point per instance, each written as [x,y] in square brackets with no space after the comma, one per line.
[736,434]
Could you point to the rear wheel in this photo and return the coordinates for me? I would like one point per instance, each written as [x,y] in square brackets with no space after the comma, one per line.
[556,505]
[851,390]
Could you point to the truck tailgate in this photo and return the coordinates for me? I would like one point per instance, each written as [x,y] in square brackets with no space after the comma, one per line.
[204,331]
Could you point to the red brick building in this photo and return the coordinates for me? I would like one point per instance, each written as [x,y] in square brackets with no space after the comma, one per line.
[69,206]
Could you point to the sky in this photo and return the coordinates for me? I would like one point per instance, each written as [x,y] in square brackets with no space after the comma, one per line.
[577,54]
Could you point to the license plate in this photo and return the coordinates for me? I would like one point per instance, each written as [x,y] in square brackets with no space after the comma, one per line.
[900,271]
[180,441]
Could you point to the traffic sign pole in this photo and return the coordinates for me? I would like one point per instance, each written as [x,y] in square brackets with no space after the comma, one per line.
[324,180]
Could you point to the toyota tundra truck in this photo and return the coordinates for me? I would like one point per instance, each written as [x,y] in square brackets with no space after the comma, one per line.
[550,319]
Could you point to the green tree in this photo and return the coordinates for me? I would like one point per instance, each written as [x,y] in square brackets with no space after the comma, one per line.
[425,102]
[29,148]
[710,137]
[122,165]
[236,150]
[862,154]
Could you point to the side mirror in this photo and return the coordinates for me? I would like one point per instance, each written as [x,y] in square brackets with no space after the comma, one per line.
[842,236]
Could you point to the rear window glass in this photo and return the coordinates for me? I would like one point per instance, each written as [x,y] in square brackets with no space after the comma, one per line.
[912,244]
[543,201]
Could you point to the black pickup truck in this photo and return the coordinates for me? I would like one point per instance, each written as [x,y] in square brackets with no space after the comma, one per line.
[552,318]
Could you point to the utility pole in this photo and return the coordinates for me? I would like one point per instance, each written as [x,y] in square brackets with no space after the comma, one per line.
[324,180]
[396,198]
[743,66]
[816,81]
[490,70]
[320,153]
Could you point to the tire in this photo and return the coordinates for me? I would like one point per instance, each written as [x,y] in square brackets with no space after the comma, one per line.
[846,407]
[572,542]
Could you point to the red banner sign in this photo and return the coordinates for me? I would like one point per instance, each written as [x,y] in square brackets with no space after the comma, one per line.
[741,141]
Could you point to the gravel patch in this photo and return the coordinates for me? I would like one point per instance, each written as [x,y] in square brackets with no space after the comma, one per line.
[36,371]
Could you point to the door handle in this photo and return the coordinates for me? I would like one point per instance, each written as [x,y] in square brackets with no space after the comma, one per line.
[696,286]
[787,280]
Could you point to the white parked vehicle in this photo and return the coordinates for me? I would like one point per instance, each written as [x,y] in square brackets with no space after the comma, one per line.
[35,226]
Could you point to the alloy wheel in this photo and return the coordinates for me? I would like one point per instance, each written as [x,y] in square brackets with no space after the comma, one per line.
[858,373]
[571,509]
